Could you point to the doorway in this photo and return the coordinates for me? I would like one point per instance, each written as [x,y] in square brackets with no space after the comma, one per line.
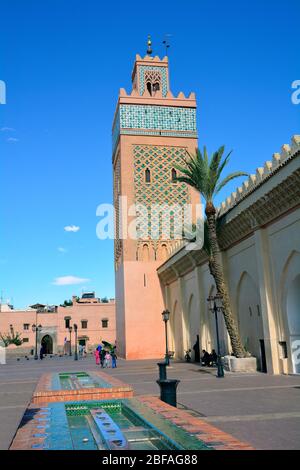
[263,356]
[47,344]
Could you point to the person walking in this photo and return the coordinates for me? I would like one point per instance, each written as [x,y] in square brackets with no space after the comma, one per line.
[42,352]
[102,357]
[113,359]
[97,357]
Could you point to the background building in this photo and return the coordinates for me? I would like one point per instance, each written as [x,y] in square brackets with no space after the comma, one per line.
[95,321]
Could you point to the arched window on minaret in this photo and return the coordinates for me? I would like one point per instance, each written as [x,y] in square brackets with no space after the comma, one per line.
[153,81]
[147,176]
[149,88]
[174,175]
[156,87]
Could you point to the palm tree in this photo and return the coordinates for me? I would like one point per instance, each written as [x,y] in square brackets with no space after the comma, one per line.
[204,174]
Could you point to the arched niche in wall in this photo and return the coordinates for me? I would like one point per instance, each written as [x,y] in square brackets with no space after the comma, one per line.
[250,319]
[145,252]
[290,311]
[176,342]
[193,322]
[162,252]
[208,333]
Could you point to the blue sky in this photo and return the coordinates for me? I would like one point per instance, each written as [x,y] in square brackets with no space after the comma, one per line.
[63,63]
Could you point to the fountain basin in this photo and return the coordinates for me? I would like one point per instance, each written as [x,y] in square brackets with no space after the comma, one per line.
[69,386]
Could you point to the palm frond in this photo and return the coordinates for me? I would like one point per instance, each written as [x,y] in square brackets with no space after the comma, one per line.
[215,160]
[223,164]
[228,178]
[192,169]
[204,173]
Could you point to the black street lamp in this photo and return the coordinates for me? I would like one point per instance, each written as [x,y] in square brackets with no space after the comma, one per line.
[215,305]
[70,331]
[166,316]
[36,329]
[75,352]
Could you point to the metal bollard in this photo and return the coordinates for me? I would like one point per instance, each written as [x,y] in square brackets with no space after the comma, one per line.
[168,390]
[162,370]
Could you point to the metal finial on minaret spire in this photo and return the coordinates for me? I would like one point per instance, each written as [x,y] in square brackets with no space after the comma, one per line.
[149,44]
[166,43]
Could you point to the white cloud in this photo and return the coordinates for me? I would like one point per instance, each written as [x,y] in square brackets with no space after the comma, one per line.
[69,280]
[71,228]
[7,129]
[61,249]
[12,139]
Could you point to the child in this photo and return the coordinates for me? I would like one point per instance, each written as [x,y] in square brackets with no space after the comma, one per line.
[107,359]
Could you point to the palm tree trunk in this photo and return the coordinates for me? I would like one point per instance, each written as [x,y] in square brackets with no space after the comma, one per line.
[217,271]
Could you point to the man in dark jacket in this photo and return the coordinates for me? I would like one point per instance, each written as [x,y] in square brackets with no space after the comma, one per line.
[196,349]
[42,352]
[206,359]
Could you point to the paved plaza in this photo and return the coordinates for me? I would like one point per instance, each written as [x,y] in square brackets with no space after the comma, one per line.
[260,409]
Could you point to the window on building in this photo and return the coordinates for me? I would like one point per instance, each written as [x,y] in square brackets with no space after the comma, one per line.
[84,324]
[67,322]
[149,88]
[104,323]
[156,87]
[153,81]
[26,326]
[25,340]
[174,175]
[147,175]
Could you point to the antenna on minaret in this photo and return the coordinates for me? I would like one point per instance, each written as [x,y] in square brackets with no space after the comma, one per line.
[149,44]
[166,43]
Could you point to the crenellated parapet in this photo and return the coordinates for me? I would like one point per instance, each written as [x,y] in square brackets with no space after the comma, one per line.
[149,58]
[169,95]
[261,175]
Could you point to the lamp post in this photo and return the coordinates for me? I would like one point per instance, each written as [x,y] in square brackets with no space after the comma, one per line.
[36,329]
[166,316]
[215,305]
[70,331]
[75,352]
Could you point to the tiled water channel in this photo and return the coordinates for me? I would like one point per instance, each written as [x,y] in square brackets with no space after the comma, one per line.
[112,425]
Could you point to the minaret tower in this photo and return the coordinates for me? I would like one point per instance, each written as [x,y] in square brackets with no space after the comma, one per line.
[152,130]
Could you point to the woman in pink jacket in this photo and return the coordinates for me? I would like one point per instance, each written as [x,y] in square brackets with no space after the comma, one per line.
[97,356]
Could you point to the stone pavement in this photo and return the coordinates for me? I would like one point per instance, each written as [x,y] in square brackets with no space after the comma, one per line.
[260,409]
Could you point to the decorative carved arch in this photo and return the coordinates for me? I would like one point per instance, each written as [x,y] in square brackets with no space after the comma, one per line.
[249,315]
[285,279]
